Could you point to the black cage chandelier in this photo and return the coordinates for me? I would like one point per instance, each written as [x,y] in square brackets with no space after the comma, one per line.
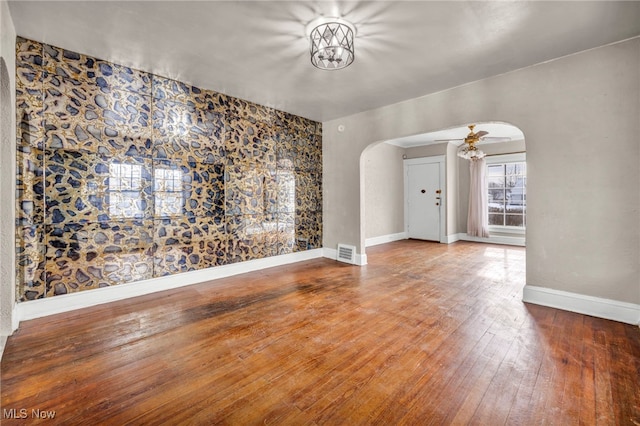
[331,43]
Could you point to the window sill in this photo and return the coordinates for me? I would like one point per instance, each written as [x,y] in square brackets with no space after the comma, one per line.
[511,230]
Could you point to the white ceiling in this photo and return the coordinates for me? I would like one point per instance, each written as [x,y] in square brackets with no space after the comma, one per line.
[498,132]
[256,50]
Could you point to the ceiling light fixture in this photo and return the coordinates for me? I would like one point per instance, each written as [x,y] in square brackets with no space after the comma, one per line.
[331,43]
[469,150]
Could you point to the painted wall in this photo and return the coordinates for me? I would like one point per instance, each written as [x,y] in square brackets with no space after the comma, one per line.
[7,172]
[452,189]
[384,190]
[427,151]
[124,176]
[580,117]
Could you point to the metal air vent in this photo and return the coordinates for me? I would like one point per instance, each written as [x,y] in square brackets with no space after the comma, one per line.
[346,253]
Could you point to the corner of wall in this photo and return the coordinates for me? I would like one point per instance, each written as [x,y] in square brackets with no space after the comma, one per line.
[15,318]
[452,188]
[3,343]
[451,238]
[7,172]
[329,253]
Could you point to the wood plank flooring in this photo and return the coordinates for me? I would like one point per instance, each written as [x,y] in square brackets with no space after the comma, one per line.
[425,334]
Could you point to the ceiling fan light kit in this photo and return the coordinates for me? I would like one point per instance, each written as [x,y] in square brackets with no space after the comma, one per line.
[469,151]
[331,43]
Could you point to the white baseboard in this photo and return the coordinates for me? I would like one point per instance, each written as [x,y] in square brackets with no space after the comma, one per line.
[3,343]
[494,239]
[374,241]
[628,313]
[14,327]
[15,319]
[68,302]
[448,239]
[329,253]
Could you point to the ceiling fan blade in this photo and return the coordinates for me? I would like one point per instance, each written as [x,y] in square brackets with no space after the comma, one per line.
[481,133]
[485,139]
[494,139]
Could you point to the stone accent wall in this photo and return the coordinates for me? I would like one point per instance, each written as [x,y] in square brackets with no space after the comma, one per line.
[123,175]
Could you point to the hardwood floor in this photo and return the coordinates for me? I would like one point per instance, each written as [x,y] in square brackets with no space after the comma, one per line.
[425,334]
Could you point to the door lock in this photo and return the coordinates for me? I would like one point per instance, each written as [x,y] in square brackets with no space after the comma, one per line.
[423,191]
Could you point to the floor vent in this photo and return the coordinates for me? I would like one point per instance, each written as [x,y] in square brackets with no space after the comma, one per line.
[346,253]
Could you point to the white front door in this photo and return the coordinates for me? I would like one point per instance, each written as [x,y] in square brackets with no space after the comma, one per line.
[424,201]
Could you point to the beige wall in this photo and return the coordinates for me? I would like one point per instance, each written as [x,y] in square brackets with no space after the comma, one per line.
[427,150]
[384,190]
[7,170]
[580,117]
[452,189]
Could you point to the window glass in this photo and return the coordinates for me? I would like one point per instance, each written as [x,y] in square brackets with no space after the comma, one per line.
[168,192]
[507,198]
[125,185]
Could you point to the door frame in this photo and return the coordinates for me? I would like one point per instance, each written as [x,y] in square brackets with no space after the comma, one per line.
[440,160]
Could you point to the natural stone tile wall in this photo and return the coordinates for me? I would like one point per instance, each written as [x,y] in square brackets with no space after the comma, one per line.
[123,175]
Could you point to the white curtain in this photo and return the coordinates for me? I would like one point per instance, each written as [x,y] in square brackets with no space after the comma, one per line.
[478,218]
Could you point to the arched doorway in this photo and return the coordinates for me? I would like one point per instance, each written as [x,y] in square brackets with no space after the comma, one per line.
[383,203]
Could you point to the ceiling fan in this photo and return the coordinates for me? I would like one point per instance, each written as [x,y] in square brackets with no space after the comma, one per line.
[469,150]
[477,137]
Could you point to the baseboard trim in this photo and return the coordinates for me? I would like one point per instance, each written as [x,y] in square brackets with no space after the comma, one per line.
[628,313]
[15,319]
[69,302]
[448,239]
[14,326]
[383,239]
[329,253]
[3,343]
[494,239]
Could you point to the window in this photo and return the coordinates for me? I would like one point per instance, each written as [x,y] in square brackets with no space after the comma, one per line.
[507,190]
[125,186]
[167,186]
